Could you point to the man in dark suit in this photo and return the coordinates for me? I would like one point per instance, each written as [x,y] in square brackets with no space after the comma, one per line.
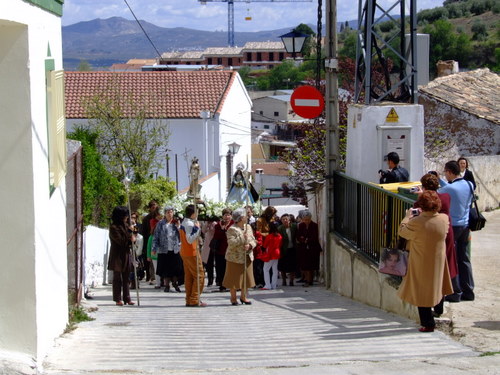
[395,173]
[288,258]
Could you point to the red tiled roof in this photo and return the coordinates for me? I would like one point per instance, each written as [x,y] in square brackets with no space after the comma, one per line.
[272,168]
[166,94]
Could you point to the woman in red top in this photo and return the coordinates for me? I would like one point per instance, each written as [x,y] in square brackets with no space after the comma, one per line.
[272,244]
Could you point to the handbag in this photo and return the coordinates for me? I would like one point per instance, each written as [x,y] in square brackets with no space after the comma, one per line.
[393,261]
[476,220]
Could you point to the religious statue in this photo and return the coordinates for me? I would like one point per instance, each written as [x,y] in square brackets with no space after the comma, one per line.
[194,175]
[241,190]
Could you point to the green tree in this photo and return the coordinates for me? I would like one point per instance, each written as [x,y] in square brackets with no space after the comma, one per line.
[101,191]
[84,66]
[349,48]
[130,134]
[161,189]
[285,74]
[247,79]
[309,44]
[479,30]
[446,45]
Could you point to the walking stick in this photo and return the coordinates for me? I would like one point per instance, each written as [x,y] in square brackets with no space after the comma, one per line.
[245,177]
[194,173]
[126,182]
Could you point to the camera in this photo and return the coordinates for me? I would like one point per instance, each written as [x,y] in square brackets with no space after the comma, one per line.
[414,189]
[383,173]
[415,212]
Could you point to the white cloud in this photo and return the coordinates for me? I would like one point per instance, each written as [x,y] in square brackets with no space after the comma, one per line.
[213,15]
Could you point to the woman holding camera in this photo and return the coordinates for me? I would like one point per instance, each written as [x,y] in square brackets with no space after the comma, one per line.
[430,181]
[427,280]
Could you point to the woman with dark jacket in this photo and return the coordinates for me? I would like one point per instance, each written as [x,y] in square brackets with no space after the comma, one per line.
[219,245]
[465,173]
[308,247]
[121,237]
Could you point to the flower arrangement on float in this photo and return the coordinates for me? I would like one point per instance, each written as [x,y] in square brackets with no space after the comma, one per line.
[208,209]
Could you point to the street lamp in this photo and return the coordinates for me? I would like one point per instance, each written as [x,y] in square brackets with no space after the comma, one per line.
[294,41]
[233,150]
[205,115]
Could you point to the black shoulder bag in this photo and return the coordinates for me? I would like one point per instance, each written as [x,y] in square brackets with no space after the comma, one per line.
[476,219]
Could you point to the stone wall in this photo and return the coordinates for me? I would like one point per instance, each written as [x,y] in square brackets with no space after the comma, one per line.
[487,176]
[351,275]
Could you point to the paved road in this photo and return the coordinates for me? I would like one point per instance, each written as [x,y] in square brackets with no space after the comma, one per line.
[289,331]
[290,328]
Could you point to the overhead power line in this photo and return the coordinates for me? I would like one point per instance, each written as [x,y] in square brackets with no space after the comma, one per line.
[142,28]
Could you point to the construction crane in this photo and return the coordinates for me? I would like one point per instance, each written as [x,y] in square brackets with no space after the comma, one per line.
[230,12]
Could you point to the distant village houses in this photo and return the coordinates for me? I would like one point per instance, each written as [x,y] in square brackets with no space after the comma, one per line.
[256,55]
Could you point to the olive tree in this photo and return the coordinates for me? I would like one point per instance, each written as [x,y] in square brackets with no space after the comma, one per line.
[131,133]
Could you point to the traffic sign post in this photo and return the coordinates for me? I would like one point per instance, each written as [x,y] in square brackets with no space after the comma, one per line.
[307,102]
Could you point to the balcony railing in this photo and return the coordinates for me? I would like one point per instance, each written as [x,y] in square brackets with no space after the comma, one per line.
[367,216]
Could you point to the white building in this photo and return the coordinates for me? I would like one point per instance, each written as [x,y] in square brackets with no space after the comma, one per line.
[205,112]
[33,281]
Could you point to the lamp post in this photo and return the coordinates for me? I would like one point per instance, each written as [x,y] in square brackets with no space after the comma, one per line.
[294,42]
[233,150]
[205,115]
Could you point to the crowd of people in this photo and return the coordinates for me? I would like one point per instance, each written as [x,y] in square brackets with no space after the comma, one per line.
[439,266]
[237,252]
[240,252]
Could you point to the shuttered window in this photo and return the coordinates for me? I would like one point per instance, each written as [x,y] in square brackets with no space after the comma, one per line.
[56,127]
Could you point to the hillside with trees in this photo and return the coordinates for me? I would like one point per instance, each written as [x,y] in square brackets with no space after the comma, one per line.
[467,31]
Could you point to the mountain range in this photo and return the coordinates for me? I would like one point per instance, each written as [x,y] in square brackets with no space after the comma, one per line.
[103,42]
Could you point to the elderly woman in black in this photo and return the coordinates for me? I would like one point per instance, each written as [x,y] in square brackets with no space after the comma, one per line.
[308,246]
[121,237]
[239,256]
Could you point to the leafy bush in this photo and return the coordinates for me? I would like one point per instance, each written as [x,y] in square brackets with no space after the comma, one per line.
[479,30]
[101,191]
[160,190]
[387,26]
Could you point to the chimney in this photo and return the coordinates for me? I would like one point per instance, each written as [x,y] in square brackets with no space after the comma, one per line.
[445,68]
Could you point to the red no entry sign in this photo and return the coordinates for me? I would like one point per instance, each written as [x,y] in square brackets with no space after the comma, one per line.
[307,102]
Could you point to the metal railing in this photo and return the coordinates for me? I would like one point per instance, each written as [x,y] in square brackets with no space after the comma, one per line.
[367,216]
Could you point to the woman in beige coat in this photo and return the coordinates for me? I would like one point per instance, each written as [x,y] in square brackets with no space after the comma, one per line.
[427,279]
[240,242]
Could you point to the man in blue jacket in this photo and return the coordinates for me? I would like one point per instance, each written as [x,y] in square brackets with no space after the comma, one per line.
[461,199]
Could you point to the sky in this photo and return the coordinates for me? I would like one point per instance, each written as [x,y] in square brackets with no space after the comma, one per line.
[213,16]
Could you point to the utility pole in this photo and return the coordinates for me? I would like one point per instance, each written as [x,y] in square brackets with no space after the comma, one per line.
[332,120]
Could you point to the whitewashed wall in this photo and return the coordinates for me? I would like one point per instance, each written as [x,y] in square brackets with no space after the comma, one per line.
[96,251]
[235,126]
[364,145]
[33,250]
[486,174]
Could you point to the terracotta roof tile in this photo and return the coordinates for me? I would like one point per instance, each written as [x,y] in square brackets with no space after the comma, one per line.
[272,168]
[476,92]
[168,94]
[264,45]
